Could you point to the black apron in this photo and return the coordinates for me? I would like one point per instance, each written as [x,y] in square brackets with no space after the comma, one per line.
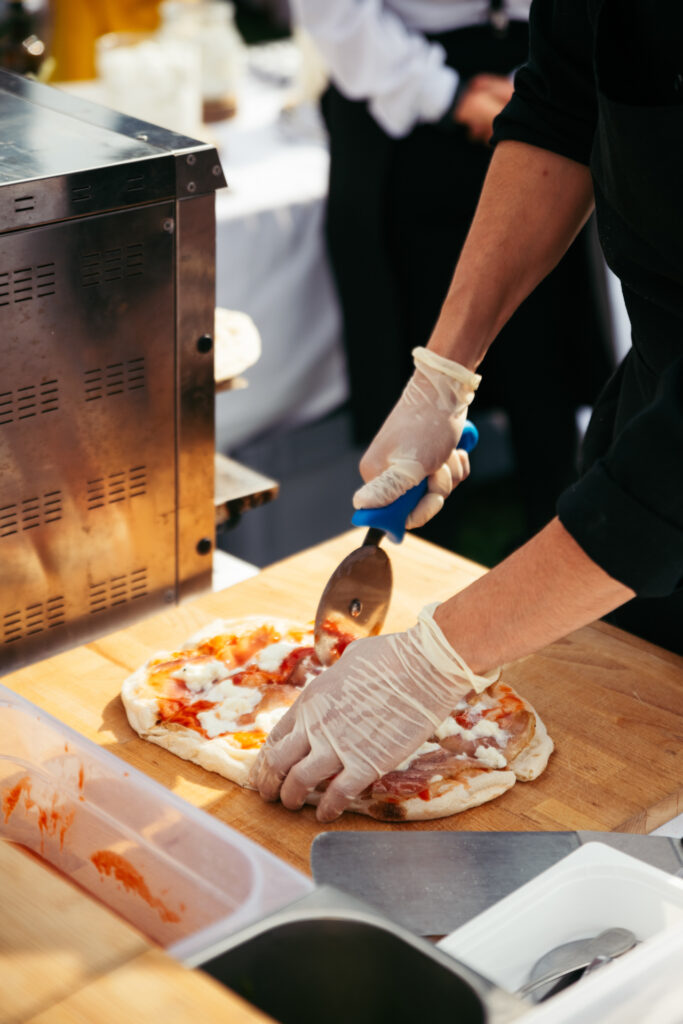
[640,223]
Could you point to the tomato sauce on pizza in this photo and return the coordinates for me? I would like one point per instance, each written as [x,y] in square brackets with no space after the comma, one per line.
[216,701]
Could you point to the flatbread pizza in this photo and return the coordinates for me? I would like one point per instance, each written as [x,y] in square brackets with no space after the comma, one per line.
[216,699]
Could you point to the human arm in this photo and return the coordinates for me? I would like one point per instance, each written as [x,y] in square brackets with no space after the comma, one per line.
[532,205]
[387,694]
[536,197]
[538,191]
[547,588]
[372,55]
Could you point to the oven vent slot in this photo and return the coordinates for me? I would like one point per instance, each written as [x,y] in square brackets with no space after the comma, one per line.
[30,513]
[118,590]
[114,379]
[81,193]
[33,619]
[112,264]
[27,283]
[135,184]
[24,203]
[122,486]
[29,401]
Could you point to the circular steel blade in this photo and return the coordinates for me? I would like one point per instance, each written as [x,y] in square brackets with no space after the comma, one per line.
[355,600]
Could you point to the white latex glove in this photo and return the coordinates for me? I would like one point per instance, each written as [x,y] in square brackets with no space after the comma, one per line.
[419,437]
[363,716]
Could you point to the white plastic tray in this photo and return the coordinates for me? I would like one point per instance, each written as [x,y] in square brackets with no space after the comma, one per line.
[594,888]
[645,987]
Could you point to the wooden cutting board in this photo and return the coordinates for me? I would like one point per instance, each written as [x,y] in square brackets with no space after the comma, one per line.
[612,703]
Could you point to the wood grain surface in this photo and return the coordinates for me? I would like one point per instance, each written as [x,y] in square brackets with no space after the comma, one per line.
[612,703]
[151,987]
[65,957]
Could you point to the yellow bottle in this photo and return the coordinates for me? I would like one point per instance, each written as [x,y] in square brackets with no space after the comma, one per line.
[78,23]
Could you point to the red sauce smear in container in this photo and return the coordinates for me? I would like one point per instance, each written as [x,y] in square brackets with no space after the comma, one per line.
[109,863]
[13,795]
[50,822]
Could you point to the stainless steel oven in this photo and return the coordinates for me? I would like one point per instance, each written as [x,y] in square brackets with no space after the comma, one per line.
[107,238]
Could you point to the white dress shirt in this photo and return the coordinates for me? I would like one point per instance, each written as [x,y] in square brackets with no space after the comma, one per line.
[376,50]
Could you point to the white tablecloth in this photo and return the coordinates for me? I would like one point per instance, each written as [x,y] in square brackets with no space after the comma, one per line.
[271,263]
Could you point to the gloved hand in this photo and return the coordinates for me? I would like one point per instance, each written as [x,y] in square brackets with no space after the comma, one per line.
[419,437]
[364,715]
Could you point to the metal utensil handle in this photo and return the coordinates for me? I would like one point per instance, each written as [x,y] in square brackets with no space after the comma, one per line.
[392,518]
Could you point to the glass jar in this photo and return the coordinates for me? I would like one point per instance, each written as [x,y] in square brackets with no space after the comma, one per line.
[211,24]
[154,79]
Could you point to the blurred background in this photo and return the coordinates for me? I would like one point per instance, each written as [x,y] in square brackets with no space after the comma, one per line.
[242,76]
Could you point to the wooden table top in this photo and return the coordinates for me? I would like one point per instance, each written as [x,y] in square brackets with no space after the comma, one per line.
[66,958]
[612,702]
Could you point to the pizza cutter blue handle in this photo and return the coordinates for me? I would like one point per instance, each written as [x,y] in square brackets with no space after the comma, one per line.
[392,518]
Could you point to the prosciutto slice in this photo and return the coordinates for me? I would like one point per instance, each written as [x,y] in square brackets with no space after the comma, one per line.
[417,776]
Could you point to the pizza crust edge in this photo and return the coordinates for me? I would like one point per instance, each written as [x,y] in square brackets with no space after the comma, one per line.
[214,755]
[533,760]
[459,797]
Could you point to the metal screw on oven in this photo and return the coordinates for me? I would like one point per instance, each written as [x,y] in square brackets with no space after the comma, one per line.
[169,225]
[191,186]
[216,170]
[191,159]
[204,546]
[205,343]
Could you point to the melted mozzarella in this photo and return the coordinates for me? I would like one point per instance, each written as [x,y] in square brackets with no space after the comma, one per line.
[484,727]
[270,658]
[491,757]
[267,720]
[235,701]
[232,701]
[199,675]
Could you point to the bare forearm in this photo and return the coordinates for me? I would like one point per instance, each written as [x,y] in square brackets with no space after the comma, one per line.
[546,589]
[532,206]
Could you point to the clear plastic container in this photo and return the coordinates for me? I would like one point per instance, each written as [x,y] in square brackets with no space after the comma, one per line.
[174,872]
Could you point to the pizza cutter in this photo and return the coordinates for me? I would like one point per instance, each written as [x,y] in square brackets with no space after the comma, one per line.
[357,595]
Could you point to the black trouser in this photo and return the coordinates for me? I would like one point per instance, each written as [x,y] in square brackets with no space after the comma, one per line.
[398,214]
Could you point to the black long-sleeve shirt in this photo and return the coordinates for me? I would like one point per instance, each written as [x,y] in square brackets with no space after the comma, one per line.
[588,56]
